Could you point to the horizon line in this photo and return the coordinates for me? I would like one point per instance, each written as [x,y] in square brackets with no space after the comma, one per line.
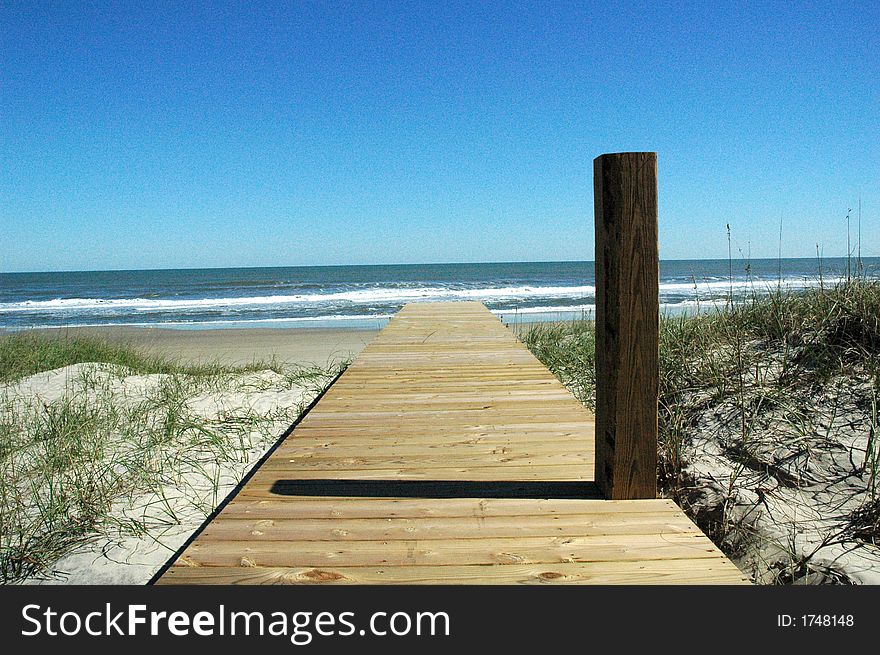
[467,263]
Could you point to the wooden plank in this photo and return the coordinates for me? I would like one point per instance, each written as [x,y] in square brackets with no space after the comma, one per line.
[380,508]
[688,572]
[421,460]
[445,454]
[414,471]
[452,552]
[336,449]
[627,323]
[461,527]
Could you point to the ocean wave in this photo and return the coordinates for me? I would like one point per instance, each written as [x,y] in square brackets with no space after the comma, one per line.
[738,286]
[555,309]
[388,296]
[552,312]
[384,295]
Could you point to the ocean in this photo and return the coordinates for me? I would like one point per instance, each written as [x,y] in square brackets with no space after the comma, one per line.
[366,296]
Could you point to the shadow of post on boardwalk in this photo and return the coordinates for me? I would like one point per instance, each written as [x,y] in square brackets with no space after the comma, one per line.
[539,489]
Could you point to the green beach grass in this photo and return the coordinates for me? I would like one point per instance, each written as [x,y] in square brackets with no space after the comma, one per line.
[29,352]
[783,391]
[103,455]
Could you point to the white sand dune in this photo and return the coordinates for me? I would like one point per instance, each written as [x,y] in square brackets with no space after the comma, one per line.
[244,413]
[191,486]
[794,502]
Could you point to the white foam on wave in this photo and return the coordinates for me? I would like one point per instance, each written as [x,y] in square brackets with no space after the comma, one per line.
[552,312]
[385,295]
[556,309]
[388,296]
[716,287]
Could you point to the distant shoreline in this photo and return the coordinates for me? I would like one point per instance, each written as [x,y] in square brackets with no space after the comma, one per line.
[373,325]
[238,346]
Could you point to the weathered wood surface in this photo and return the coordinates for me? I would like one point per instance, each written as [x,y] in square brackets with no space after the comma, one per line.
[446,453]
[627,324]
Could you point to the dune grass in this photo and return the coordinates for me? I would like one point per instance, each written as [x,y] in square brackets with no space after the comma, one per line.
[780,380]
[27,352]
[111,457]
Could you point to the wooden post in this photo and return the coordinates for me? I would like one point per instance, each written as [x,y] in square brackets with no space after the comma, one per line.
[627,324]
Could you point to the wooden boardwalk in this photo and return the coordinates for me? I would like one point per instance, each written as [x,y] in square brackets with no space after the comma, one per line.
[446,453]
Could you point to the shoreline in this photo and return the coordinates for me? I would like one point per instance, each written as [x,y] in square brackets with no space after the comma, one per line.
[239,346]
[353,324]
[318,346]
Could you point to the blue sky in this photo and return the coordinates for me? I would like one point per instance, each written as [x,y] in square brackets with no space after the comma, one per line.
[191,135]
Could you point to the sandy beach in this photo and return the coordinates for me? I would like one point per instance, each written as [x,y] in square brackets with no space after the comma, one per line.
[320,347]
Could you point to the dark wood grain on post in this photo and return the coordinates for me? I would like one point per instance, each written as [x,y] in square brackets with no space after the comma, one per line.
[627,324]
